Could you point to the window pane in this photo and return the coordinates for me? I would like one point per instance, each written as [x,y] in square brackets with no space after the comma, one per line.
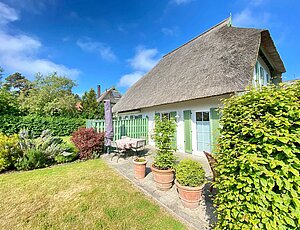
[166,116]
[205,116]
[262,75]
[198,116]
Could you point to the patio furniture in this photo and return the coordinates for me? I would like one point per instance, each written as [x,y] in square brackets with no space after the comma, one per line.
[212,164]
[117,151]
[139,147]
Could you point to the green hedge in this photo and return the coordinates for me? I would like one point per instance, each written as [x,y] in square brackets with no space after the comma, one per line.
[60,126]
[258,168]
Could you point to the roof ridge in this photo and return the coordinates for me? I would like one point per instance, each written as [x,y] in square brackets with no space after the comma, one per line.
[205,32]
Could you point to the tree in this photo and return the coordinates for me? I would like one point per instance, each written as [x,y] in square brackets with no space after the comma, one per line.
[17,82]
[9,103]
[1,74]
[91,109]
[50,95]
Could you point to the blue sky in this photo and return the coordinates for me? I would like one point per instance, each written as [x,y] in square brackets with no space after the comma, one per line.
[115,42]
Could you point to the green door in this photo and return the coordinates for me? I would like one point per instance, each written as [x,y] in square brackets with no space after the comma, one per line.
[187,131]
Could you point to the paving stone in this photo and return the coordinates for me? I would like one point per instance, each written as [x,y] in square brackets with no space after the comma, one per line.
[201,218]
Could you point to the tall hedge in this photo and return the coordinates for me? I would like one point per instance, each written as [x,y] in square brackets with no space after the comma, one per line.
[60,126]
[258,167]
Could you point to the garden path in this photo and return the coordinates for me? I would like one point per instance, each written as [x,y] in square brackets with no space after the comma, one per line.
[201,218]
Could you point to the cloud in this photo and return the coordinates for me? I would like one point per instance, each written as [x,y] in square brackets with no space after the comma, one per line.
[7,14]
[33,6]
[246,18]
[19,53]
[143,60]
[170,31]
[181,2]
[88,45]
[128,80]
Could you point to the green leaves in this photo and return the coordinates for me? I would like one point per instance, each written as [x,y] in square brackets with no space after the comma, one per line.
[258,160]
[190,173]
[164,134]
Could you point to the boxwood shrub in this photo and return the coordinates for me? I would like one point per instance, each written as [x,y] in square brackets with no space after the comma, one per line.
[258,167]
[60,126]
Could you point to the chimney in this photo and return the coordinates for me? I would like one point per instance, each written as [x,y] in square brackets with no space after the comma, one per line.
[98,91]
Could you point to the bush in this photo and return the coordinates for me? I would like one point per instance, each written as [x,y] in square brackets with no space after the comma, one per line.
[42,151]
[190,173]
[70,153]
[88,141]
[258,167]
[9,151]
[60,126]
[164,134]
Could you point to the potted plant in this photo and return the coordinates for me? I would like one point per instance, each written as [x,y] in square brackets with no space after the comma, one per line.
[190,179]
[139,167]
[162,168]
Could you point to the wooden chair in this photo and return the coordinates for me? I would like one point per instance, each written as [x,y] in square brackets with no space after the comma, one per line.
[140,146]
[212,164]
[117,151]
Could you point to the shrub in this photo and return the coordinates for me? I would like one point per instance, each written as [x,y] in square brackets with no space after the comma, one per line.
[88,142]
[42,151]
[258,167]
[70,153]
[190,173]
[60,126]
[9,150]
[163,135]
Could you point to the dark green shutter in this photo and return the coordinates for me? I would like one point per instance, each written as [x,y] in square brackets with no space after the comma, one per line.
[215,128]
[173,115]
[187,131]
[157,115]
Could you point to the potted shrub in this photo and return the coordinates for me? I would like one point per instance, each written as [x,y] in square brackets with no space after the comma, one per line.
[190,179]
[162,168]
[139,167]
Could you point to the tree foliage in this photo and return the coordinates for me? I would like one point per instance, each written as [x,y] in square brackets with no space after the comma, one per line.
[50,95]
[258,178]
[8,103]
[91,109]
[17,82]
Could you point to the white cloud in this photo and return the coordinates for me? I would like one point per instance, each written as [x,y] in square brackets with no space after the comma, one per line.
[246,18]
[91,46]
[19,53]
[33,6]
[170,31]
[181,2]
[143,60]
[128,80]
[7,14]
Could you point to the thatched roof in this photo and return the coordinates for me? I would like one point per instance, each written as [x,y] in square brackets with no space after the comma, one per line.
[217,62]
[111,94]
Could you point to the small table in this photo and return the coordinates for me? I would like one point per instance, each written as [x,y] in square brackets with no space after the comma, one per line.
[128,143]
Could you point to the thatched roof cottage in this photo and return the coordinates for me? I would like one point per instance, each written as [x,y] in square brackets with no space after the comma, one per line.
[189,82]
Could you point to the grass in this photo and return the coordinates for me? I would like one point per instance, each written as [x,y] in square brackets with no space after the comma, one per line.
[83,195]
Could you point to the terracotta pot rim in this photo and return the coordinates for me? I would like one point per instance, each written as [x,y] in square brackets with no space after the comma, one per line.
[188,187]
[139,162]
[161,170]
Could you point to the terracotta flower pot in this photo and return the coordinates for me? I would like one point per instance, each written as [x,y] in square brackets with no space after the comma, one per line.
[163,178]
[189,196]
[139,169]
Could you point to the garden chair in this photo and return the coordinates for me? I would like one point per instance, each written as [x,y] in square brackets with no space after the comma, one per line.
[140,146]
[212,164]
[117,151]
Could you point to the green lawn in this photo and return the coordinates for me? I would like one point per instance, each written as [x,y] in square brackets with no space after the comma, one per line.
[84,195]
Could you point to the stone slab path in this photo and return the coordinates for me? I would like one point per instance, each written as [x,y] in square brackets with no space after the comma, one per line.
[201,218]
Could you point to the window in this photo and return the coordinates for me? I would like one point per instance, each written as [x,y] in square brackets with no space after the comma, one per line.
[261,76]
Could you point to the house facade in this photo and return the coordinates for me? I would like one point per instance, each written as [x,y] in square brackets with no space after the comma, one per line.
[190,82]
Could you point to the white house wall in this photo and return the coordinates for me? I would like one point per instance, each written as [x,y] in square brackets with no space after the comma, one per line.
[194,105]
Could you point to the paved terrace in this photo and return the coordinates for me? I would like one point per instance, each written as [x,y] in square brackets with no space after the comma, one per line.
[201,218]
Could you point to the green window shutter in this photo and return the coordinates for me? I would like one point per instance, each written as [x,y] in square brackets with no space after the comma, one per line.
[173,115]
[157,114]
[187,131]
[215,125]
